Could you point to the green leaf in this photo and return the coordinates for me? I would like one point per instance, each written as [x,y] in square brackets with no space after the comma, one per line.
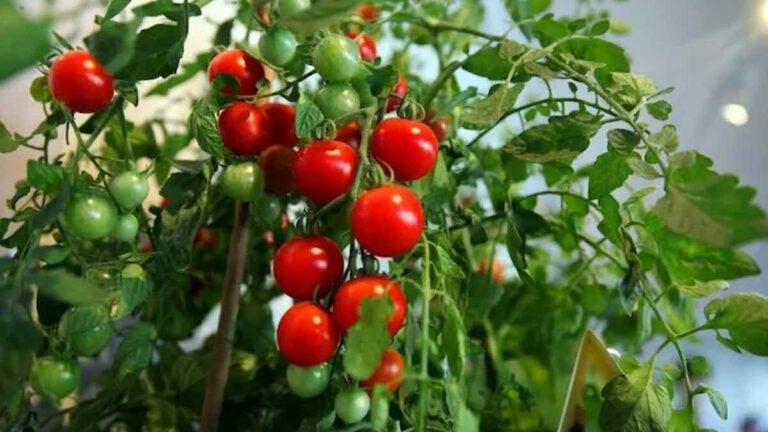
[633,403]
[308,116]
[114,43]
[382,80]
[8,142]
[157,53]
[484,113]
[489,63]
[86,329]
[631,89]
[322,14]
[745,316]
[561,140]
[609,173]
[114,8]
[510,50]
[623,141]
[611,222]
[188,71]
[643,169]
[446,265]
[466,421]
[600,28]
[368,338]
[666,138]
[699,289]
[459,99]
[516,249]
[715,398]
[68,288]
[44,177]
[24,41]
[133,289]
[708,206]
[135,350]
[454,342]
[607,56]
[205,128]
[659,110]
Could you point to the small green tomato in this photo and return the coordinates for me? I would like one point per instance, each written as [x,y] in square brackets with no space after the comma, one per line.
[352,405]
[308,382]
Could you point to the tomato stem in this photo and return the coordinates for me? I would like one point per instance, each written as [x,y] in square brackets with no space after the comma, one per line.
[424,374]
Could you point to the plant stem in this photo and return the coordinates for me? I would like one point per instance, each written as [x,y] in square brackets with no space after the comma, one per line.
[424,374]
[230,303]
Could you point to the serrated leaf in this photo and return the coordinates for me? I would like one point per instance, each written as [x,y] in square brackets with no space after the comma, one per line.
[623,141]
[609,173]
[659,110]
[715,398]
[643,169]
[68,288]
[601,55]
[135,350]
[484,113]
[454,340]
[699,289]
[666,138]
[611,221]
[8,142]
[114,7]
[561,140]
[630,89]
[516,249]
[459,99]
[509,49]
[488,63]
[205,129]
[446,265]
[633,403]
[382,80]
[745,316]
[368,338]
[43,176]
[308,116]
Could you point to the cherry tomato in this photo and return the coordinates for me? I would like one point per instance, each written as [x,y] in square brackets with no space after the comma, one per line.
[497,269]
[325,170]
[129,189]
[242,182]
[308,265]
[277,46]
[240,65]
[86,329]
[206,238]
[366,45]
[79,82]
[346,303]
[90,217]
[244,129]
[439,126]
[126,228]
[337,100]
[282,123]
[289,8]
[308,382]
[352,405]
[349,134]
[407,147]
[336,58]
[306,335]
[55,378]
[388,220]
[389,373]
[276,162]
[368,11]
[400,90]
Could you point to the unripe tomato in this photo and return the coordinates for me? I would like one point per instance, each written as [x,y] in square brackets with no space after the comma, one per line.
[242,182]
[90,217]
[277,46]
[244,129]
[349,134]
[126,228]
[336,58]
[325,170]
[408,148]
[352,405]
[86,330]
[79,82]
[400,89]
[206,238]
[337,100]
[289,8]
[346,303]
[308,265]
[129,189]
[439,126]
[368,11]
[276,162]
[388,220]
[240,65]
[55,378]
[366,45]
[306,335]
[308,382]
[389,373]
[282,123]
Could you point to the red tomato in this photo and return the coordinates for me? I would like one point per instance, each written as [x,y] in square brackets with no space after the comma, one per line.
[206,238]
[497,269]
[275,163]
[439,126]
[325,170]
[346,303]
[282,122]
[305,265]
[407,147]
[240,65]
[389,373]
[388,220]
[350,134]
[365,44]
[306,335]
[244,129]
[400,89]
[368,11]
[79,82]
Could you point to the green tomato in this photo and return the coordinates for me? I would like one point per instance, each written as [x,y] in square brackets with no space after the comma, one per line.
[269,209]
[129,189]
[289,8]
[126,228]
[336,58]
[352,405]
[278,46]
[55,378]
[86,329]
[90,217]
[242,182]
[308,382]
[337,100]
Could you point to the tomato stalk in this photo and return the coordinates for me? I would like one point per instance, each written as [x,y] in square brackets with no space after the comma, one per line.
[421,417]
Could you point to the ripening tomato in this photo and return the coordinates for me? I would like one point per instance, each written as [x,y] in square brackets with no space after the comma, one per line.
[90,217]
[206,238]
[346,303]
[282,123]
[306,335]
[399,90]
[389,373]
[55,378]
[309,265]
[336,58]
[244,129]
[350,134]
[368,11]
[497,269]
[240,65]
[325,170]
[407,147]
[388,220]
[276,162]
[79,82]
[337,100]
[440,126]
[365,44]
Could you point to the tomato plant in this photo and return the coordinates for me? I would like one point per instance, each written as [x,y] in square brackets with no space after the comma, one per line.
[461,221]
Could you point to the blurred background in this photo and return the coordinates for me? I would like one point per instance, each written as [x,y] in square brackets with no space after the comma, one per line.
[714,52]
